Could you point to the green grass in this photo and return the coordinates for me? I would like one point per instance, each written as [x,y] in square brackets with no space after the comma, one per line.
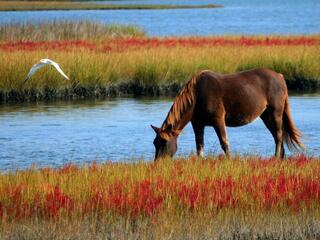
[145,72]
[65,5]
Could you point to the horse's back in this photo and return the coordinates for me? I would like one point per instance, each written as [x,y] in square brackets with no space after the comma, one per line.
[260,81]
[240,97]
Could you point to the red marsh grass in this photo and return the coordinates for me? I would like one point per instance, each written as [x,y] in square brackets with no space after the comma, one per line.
[246,196]
[136,43]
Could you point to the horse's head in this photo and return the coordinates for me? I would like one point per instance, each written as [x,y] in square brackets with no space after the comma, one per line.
[165,142]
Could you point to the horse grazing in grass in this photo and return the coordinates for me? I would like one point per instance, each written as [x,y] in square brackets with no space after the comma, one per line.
[220,100]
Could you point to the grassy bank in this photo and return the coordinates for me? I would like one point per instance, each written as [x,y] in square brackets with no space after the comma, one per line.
[212,198]
[149,66]
[66,30]
[65,5]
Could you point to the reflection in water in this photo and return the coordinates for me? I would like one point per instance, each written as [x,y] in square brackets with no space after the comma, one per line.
[119,130]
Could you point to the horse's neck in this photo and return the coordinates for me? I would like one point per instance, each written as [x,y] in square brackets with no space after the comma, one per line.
[182,109]
[178,119]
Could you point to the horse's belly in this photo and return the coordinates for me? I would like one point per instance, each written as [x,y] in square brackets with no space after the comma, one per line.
[239,120]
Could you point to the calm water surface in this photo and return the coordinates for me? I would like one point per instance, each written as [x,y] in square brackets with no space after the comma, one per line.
[119,130]
[237,17]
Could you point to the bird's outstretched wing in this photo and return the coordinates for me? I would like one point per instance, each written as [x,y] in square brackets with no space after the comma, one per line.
[34,68]
[58,68]
[42,63]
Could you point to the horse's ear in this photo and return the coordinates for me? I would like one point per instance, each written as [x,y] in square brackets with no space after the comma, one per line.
[157,130]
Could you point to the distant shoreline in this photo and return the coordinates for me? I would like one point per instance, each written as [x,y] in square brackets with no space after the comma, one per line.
[52,6]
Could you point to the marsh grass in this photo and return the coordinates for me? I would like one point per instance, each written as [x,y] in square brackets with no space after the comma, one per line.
[66,30]
[213,198]
[221,226]
[150,71]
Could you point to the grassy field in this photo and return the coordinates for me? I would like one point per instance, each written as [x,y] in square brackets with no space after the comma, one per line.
[214,198]
[72,5]
[103,60]
[148,66]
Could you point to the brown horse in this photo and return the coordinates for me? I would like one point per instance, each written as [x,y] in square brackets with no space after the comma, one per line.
[211,99]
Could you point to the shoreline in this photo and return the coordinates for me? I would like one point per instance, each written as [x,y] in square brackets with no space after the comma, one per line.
[66,6]
[129,90]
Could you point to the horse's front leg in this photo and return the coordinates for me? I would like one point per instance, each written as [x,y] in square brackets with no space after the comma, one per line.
[221,131]
[198,133]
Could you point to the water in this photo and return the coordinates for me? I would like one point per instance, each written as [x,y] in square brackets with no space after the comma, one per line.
[237,17]
[119,130]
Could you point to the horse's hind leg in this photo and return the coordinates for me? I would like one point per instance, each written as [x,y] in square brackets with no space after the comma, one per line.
[273,120]
[221,131]
[198,132]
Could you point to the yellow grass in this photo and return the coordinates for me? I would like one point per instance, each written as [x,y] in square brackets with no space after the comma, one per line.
[153,66]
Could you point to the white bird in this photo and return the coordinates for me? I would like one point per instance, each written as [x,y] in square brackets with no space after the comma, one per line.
[42,63]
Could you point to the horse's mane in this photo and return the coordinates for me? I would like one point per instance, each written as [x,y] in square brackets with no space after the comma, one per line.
[182,103]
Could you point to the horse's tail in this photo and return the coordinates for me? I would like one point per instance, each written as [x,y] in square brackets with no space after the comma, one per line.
[291,135]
